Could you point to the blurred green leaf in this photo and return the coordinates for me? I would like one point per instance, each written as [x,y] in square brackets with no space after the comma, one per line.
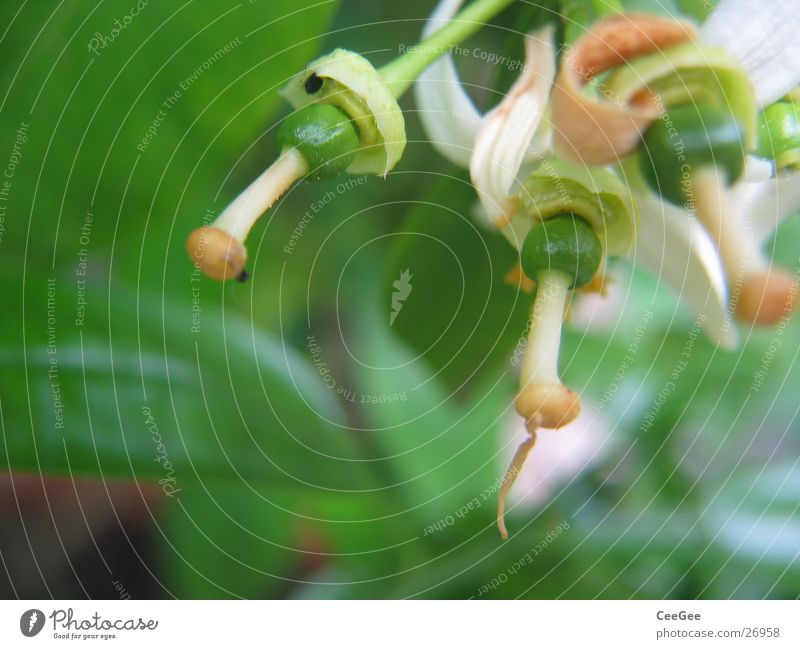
[227,541]
[167,398]
[697,10]
[123,155]
[146,137]
[462,318]
[443,451]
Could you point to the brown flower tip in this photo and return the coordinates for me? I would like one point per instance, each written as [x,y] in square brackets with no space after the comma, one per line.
[216,253]
[766,297]
[548,406]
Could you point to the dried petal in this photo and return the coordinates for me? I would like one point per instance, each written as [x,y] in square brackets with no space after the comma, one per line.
[507,132]
[600,130]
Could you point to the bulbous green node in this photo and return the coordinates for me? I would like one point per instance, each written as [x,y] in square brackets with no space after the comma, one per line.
[324,136]
[779,134]
[691,137]
[563,243]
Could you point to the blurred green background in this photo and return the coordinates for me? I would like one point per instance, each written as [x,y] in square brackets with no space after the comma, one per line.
[166,436]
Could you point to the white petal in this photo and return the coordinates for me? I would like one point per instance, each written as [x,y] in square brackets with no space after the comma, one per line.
[757,172]
[757,169]
[775,200]
[447,113]
[677,250]
[507,132]
[763,35]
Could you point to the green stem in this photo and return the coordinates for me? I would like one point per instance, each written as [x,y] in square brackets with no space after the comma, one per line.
[540,361]
[401,73]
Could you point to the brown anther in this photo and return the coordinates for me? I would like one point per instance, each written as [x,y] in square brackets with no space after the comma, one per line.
[766,297]
[217,253]
[548,406]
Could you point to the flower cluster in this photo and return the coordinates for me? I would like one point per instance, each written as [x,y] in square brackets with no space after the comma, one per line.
[645,135]
[673,145]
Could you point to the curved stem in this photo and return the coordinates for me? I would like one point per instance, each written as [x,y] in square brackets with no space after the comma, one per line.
[400,73]
[239,217]
[514,468]
[540,361]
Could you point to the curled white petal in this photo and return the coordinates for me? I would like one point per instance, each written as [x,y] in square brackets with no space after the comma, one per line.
[447,113]
[507,132]
[762,34]
[676,249]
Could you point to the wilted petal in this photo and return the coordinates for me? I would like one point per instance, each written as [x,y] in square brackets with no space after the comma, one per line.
[601,130]
[676,249]
[762,34]
[507,132]
[447,113]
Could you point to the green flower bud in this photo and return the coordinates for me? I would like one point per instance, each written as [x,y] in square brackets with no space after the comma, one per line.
[690,138]
[350,82]
[594,194]
[324,136]
[779,134]
[563,243]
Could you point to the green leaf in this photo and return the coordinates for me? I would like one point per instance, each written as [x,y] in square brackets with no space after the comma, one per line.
[462,317]
[130,136]
[226,541]
[171,118]
[165,394]
[443,453]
